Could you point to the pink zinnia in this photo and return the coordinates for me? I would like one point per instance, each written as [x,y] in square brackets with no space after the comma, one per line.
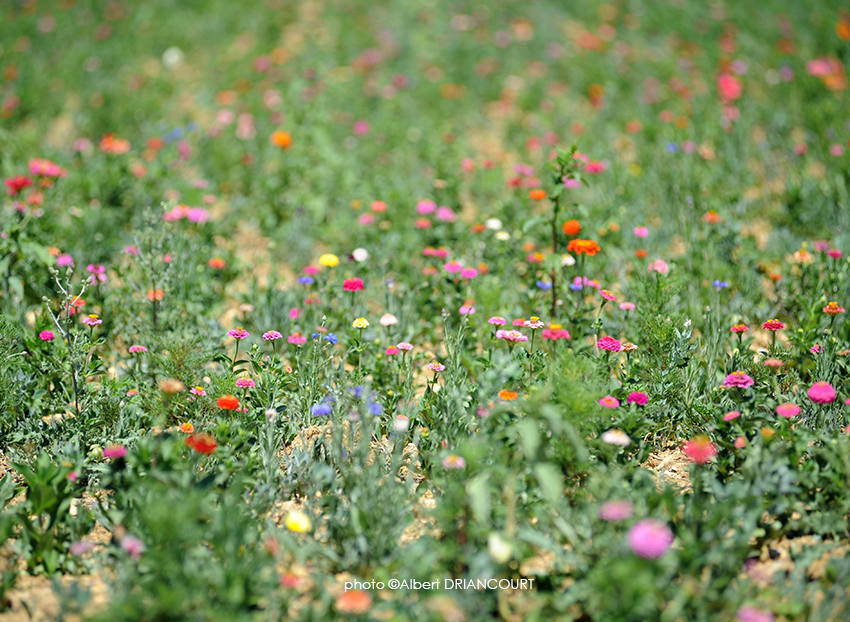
[133,546]
[610,344]
[453,267]
[834,253]
[773,325]
[46,335]
[613,511]
[739,328]
[352,285]
[627,306]
[467,309]
[297,339]
[732,414]
[741,442]
[700,449]
[555,333]
[64,260]
[609,401]
[391,351]
[753,614]
[638,398]
[436,367]
[115,451]
[404,346]
[822,393]
[272,335]
[445,214]
[245,383]
[738,380]
[607,295]
[650,538]
[238,333]
[497,320]
[660,266]
[138,349]
[787,410]
[519,322]
[469,273]
[513,336]
[425,207]
[640,232]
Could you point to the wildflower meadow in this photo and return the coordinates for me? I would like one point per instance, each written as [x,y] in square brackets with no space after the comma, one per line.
[424,310]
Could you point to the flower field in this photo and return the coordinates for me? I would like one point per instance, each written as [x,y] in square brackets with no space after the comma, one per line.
[424,310]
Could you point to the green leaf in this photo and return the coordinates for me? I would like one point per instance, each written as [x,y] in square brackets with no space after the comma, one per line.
[533,222]
[550,480]
[478,489]
[529,437]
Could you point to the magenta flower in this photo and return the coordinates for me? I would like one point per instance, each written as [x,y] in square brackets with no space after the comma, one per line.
[609,401]
[392,351]
[92,320]
[404,346]
[650,538]
[822,393]
[80,547]
[115,451]
[638,398]
[555,333]
[436,367]
[640,232]
[513,336]
[738,380]
[732,414]
[613,511]
[64,260]
[352,285]
[133,546]
[497,321]
[297,339]
[773,325]
[425,207]
[610,344]
[453,267]
[467,309]
[468,273]
[748,613]
[46,335]
[788,410]
[245,383]
[607,295]
[98,272]
[138,349]
[239,333]
[272,335]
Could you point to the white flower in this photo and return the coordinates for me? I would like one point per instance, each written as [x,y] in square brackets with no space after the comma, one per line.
[504,236]
[616,437]
[500,551]
[360,254]
[400,424]
[172,57]
[494,224]
[568,260]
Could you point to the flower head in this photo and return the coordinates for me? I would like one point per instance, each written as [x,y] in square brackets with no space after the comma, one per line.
[404,346]
[609,401]
[788,410]
[352,285]
[245,383]
[650,538]
[833,309]
[822,393]
[321,410]
[739,328]
[638,398]
[436,367]
[228,402]
[238,333]
[610,344]
[738,380]
[749,613]
[388,319]
[272,335]
[660,266]
[588,247]
[202,443]
[571,227]
[136,349]
[354,602]
[607,295]
[115,451]
[627,306]
[133,546]
[534,323]
[46,335]
[700,449]
[92,319]
[360,323]
[773,325]
[186,427]
[616,437]
[613,511]
[732,414]
[497,321]
[512,336]
[298,522]
[453,461]
[328,260]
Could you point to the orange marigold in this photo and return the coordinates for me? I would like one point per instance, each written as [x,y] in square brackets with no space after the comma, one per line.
[571,227]
[508,396]
[281,139]
[538,194]
[640,253]
[588,247]
[228,402]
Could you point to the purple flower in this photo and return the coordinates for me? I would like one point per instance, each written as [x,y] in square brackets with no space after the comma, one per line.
[748,613]
[115,451]
[738,380]
[613,511]
[133,546]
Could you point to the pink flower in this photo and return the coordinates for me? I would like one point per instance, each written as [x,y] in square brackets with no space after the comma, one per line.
[607,295]
[391,351]
[360,128]
[64,260]
[245,383]
[294,313]
[453,267]
[738,380]
[627,306]
[700,449]
[610,344]
[815,349]
[425,207]
[497,321]
[238,333]
[467,309]
[352,285]
[732,414]
[297,339]
[469,273]
[638,398]
[613,511]
[834,253]
[660,266]
[406,347]
[512,336]
[534,323]
[570,183]
[272,335]
[730,87]
[133,546]
[594,166]
[640,232]
[388,319]
[453,462]
[753,614]
[609,401]
[518,322]
[739,328]
[436,367]
[822,393]
[650,538]
[92,320]
[445,214]
[98,273]
[46,335]
[773,325]
[555,333]
[138,349]
[787,410]
[115,451]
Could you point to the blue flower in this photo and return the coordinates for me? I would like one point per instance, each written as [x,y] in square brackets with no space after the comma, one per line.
[321,410]
[315,335]
[306,280]
[575,286]
[544,285]
[720,284]
[374,407]
[332,338]
[672,148]
[357,392]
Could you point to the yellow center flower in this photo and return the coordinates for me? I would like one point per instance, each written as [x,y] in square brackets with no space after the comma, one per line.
[360,323]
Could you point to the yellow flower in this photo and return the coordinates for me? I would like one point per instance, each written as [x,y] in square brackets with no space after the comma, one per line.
[298,522]
[360,323]
[328,260]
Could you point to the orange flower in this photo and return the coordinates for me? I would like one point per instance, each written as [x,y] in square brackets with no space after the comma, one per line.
[537,194]
[228,402]
[571,227]
[187,428]
[529,246]
[640,253]
[508,396]
[281,139]
[711,217]
[217,263]
[155,294]
[588,247]
[357,602]
[478,228]
[112,144]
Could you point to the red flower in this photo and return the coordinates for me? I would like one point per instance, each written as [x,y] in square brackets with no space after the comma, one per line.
[202,443]
[700,449]
[228,402]
[16,184]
